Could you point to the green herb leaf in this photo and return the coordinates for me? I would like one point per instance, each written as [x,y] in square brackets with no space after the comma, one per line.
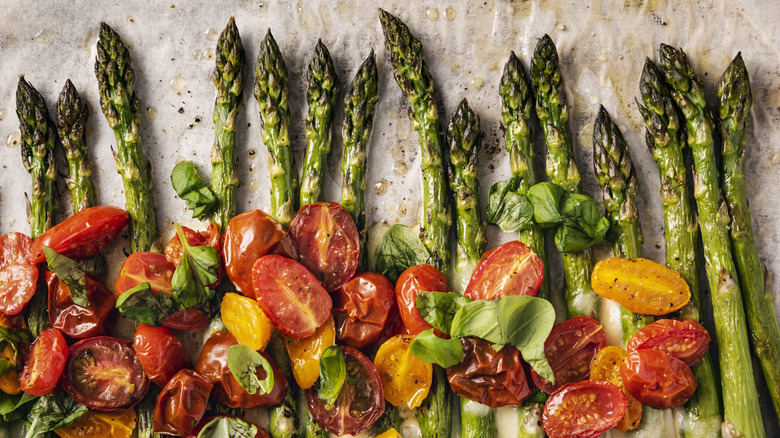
[546,199]
[507,208]
[141,305]
[5,364]
[228,427]
[198,268]
[438,308]
[433,349]
[53,412]
[478,319]
[190,187]
[67,271]
[15,407]
[526,322]
[15,337]
[399,249]
[333,374]
[243,363]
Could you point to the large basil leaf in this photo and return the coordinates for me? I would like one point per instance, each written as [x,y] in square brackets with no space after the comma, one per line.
[507,208]
[243,362]
[438,308]
[546,199]
[478,319]
[190,187]
[228,427]
[399,249]
[53,412]
[141,305]
[333,374]
[526,322]
[433,349]
[67,271]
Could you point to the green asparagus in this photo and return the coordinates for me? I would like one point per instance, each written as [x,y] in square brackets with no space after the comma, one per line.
[283,419]
[71,116]
[434,414]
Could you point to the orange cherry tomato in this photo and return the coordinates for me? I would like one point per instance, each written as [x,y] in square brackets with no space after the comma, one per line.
[606,368]
[118,424]
[658,379]
[583,409]
[76,321]
[511,269]
[362,308]
[9,380]
[389,433]
[406,379]
[686,340]
[45,362]
[210,237]
[305,353]
[410,283]
[245,320]
[18,274]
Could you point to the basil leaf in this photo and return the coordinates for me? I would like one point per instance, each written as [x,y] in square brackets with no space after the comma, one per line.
[398,249]
[569,239]
[198,268]
[228,427]
[243,363]
[53,412]
[333,374]
[478,319]
[15,337]
[508,209]
[67,271]
[141,305]
[526,322]
[206,261]
[15,407]
[190,187]
[438,308]
[546,199]
[433,349]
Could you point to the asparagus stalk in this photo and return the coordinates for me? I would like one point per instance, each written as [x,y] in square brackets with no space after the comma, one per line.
[735,100]
[740,399]
[321,94]
[284,418]
[434,414]
[71,115]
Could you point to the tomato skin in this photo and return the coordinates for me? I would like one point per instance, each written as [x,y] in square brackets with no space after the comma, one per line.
[305,353]
[606,367]
[686,340]
[600,404]
[406,379]
[244,318]
[101,424]
[410,283]
[83,235]
[261,433]
[210,237]
[247,237]
[76,321]
[18,274]
[570,349]
[362,308]
[658,379]
[511,269]
[45,362]
[181,403]
[160,352]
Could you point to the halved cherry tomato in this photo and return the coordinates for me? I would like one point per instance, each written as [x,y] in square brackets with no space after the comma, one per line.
[45,361]
[9,380]
[570,349]
[83,235]
[247,237]
[328,242]
[210,237]
[305,353]
[244,318]
[510,269]
[583,409]
[290,296]
[261,433]
[119,424]
[182,403]
[686,340]
[104,373]
[406,379]
[410,283]
[360,402]
[389,433]
[18,274]
[76,321]
[160,352]
[361,309]
[658,379]
[606,368]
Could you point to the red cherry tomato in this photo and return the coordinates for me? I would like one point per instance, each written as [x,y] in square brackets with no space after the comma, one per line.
[658,379]
[583,409]
[248,237]
[361,309]
[210,237]
[261,433]
[160,352]
[76,321]
[104,373]
[510,269]
[328,242]
[18,274]
[686,340]
[45,362]
[83,235]
[290,296]
[410,283]
[182,403]
[570,349]
[361,400]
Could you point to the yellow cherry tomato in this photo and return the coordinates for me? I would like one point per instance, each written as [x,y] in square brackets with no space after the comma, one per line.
[9,380]
[406,379]
[305,353]
[245,320]
[606,367]
[119,424]
[389,433]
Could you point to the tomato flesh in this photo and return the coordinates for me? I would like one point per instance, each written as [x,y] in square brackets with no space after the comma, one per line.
[76,321]
[511,269]
[45,362]
[583,409]
[305,353]
[160,353]
[244,318]
[406,379]
[410,283]
[101,424]
[18,273]
[686,340]
[658,379]
[361,309]
[606,367]
[181,403]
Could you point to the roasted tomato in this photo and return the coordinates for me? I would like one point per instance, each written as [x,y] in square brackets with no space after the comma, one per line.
[244,318]
[118,424]
[227,391]
[328,242]
[261,433]
[45,362]
[606,367]
[406,379]
[305,353]
[18,274]
[658,379]
[360,402]
[248,237]
[9,380]
[686,340]
[76,321]
[570,349]
[583,410]
[510,269]
[160,352]
[83,235]
[410,283]
[361,309]
[181,403]
[210,237]
[104,373]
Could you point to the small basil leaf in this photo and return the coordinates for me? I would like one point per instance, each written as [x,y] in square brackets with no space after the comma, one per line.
[508,209]
[571,239]
[478,319]
[190,187]
[333,374]
[206,261]
[546,200]
[67,271]
[438,308]
[141,305]
[53,412]
[15,407]
[15,337]
[581,210]
[526,323]
[243,362]
[228,427]
[398,249]
[433,349]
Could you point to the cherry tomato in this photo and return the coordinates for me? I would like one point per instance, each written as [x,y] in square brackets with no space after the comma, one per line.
[328,242]
[83,235]
[181,403]
[227,391]
[361,309]
[248,237]
[45,362]
[570,349]
[9,380]
[510,269]
[583,409]
[606,368]
[119,424]
[244,318]
[686,340]
[305,353]
[406,379]
[18,274]
[76,321]
[290,296]
[210,237]
[658,379]
[104,373]
[261,433]
[160,352]
[360,402]
[389,433]
[410,283]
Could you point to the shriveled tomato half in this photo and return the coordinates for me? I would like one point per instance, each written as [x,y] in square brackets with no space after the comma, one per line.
[104,373]
[305,353]
[76,321]
[510,269]
[410,283]
[328,242]
[244,318]
[583,409]
[247,237]
[606,367]
[18,274]
[686,340]
[45,361]
[406,379]
[210,237]
[181,403]
[570,349]
[160,352]
[359,404]
[261,433]
[118,424]
[290,295]
[83,235]
[361,309]
[658,379]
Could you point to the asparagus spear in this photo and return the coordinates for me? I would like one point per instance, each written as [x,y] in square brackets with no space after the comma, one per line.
[321,94]
[283,419]
[735,101]
[740,399]
[71,115]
